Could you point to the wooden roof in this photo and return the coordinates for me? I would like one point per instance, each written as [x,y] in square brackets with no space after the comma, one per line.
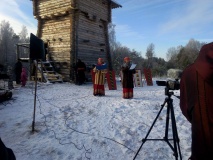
[115,4]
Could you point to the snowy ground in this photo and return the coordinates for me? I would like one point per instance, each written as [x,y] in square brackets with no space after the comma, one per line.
[72,124]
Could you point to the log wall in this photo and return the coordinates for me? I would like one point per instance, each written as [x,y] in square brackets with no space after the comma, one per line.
[98,8]
[48,8]
[55,28]
[91,31]
[91,40]
[74,29]
[57,33]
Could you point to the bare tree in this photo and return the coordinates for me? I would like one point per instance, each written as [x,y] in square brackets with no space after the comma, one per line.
[181,57]
[172,53]
[23,38]
[189,53]
[192,49]
[150,54]
[118,54]
[150,51]
[6,43]
[194,45]
[23,35]
[112,37]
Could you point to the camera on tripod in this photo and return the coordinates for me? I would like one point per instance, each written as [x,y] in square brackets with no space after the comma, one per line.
[170,85]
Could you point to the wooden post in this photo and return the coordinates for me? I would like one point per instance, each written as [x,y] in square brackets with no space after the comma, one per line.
[35,95]
[39,30]
[74,43]
[17,52]
[42,73]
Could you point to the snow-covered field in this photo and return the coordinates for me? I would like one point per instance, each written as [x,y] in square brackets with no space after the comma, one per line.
[72,124]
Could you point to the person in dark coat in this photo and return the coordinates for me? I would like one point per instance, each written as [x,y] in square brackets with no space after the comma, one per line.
[196,102]
[80,70]
[127,79]
[18,70]
[6,153]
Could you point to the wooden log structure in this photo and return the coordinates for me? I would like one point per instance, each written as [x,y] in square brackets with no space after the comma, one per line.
[75,29]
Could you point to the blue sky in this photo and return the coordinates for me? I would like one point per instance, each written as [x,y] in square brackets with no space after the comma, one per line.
[165,23]
[18,13]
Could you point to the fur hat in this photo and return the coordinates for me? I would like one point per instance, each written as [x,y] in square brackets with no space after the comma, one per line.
[100,59]
[126,58]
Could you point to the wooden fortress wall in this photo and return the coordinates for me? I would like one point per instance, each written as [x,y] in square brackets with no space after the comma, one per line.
[74,29]
[91,30]
[55,27]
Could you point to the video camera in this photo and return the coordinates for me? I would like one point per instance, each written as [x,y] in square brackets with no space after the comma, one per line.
[170,85]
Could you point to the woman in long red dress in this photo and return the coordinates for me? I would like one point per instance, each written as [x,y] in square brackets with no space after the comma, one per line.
[127,80]
[99,81]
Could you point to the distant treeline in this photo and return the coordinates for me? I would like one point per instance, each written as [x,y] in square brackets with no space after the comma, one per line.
[177,57]
[8,39]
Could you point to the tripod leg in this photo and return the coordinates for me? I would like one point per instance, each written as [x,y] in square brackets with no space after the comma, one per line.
[167,122]
[144,140]
[175,133]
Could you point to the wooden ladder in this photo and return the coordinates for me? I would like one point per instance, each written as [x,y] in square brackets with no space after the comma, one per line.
[46,73]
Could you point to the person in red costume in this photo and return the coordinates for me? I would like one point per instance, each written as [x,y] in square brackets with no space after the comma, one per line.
[98,87]
[196,102]
[127,80]
[23,77]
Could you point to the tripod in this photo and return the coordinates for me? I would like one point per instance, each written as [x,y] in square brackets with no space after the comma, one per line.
[170,110]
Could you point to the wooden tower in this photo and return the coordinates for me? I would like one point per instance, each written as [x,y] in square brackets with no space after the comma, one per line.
[74,29]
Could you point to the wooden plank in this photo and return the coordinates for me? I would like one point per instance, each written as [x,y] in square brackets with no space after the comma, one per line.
[48,7]
[94,7]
